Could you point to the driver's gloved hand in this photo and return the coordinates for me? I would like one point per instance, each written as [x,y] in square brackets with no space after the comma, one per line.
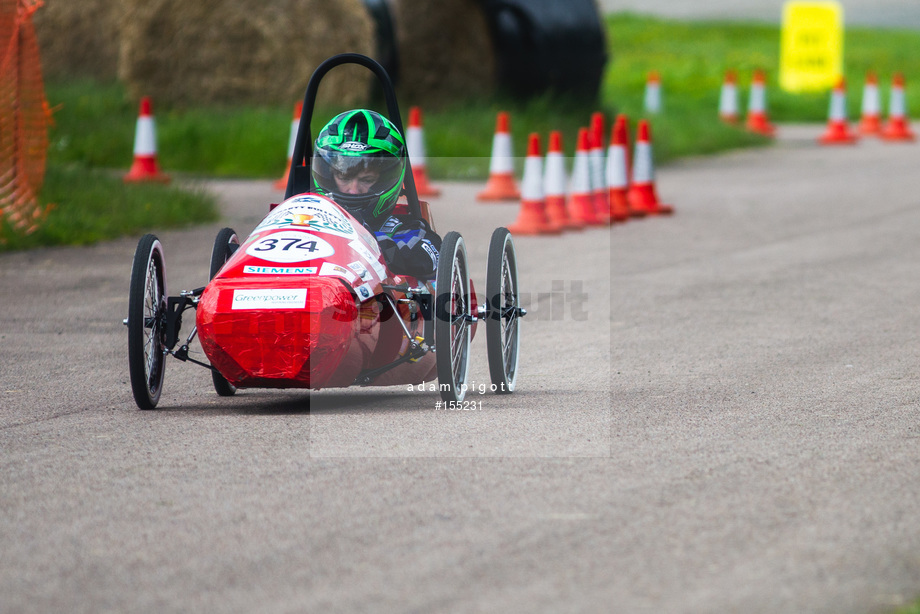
[411,252]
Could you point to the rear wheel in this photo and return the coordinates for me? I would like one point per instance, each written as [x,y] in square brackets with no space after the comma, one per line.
[147,322]
[503,319]
[225,245]
[453,319]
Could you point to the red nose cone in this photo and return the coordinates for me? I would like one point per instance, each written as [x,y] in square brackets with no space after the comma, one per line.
[297,336]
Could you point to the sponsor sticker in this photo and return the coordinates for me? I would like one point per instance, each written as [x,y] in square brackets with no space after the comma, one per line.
[280,270]
[362,272]
[270,299]
[371,258]
[335,270]
[312,212]
[288,246]
[364,292]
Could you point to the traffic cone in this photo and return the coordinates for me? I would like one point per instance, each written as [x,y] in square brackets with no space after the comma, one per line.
[898,126]
[728,98]
[501,184]
[532,219]
[838,127]
[554,182]
[870,123]
[652,100]
[642,194]
[757,120]
[415,144]
[618,170]
[581,200]
[597,158]
[145,167]
[281,183]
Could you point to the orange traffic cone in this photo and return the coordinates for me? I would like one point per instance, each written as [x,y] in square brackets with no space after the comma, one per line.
[652,98]
[501,184]
[757,120]
[870,123]
[281,183]
[642,194]
[728,98]
[898,126]
[838,127]
[532,219]
[581,200]
[597,158]
[618,170]
[415,144]
[554,182]
[145,167]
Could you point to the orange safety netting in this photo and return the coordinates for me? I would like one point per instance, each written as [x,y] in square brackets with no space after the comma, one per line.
[23,119]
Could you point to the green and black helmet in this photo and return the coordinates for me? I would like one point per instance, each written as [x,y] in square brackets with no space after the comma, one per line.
[359,161]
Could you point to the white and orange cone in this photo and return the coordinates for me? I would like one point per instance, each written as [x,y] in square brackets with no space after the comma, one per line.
[581,200]
[532,218]
[838,126]
[415,144]
[501,184]
[281,183]
[728,98]
[597,156]
[652,98]
[617,171]
[898,126]
[757,120]
[145,166]
[870,122]
[642,193]
[554,185]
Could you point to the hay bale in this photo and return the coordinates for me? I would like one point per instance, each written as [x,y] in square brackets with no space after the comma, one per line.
[445,50]
[79,38]
[210,51]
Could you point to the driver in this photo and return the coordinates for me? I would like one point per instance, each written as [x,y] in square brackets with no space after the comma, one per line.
[359,161]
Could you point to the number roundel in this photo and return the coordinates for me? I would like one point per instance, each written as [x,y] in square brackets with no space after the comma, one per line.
[290,246]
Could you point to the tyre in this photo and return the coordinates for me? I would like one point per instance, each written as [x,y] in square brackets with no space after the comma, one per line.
[225,245]
[453,319]
[503,317]
[147,322]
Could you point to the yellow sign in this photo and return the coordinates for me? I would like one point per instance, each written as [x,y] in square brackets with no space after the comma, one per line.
[811,46]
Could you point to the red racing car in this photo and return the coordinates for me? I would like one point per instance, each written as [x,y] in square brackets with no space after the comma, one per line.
[307,301]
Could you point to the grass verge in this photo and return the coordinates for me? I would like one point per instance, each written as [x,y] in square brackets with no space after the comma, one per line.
[90,205]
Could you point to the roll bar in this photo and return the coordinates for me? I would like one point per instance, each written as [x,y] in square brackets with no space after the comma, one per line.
[300,178]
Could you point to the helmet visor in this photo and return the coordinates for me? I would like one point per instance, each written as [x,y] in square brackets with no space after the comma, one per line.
[357,181]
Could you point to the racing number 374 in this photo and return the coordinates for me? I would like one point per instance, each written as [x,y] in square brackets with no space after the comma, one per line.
[284,244]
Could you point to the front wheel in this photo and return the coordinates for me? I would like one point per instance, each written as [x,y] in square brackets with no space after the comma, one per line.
[453,319]
[503,319]
[147,322]
[225,245]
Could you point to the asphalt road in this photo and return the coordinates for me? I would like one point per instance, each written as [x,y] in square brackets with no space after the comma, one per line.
[717,412]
